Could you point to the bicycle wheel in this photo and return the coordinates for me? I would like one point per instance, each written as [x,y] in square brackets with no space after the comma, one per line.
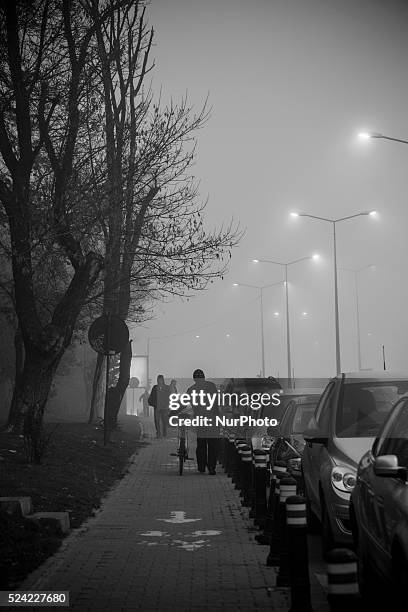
[182,453]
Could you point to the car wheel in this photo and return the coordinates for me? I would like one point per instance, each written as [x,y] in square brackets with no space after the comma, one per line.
[327,534]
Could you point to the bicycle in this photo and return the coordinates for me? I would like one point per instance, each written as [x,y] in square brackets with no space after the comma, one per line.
[182,448]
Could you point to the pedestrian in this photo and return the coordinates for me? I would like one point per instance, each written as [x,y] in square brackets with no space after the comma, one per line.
[159,399]
[145,399]
[173,386]
[207,437]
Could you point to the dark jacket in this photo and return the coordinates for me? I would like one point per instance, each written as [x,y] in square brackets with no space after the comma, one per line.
[159,397]
[201,410]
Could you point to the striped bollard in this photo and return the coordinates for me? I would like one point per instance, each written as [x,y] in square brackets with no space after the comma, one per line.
[298,554]
[241,446]
[265,537]
[246,459]
[342,585]
[223,450]
[287,489]
[260,458]
[273,556]
[252,497]
[235,469]
[238,484]
[230,455]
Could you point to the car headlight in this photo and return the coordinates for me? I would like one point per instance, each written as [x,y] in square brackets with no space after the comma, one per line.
[343,478]
[294,464]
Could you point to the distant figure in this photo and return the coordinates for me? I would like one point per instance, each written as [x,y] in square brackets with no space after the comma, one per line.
[145,399]
[207,438]
[159,399]
[173,386]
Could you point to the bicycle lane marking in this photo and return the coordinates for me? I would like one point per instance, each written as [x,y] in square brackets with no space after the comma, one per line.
[190,542]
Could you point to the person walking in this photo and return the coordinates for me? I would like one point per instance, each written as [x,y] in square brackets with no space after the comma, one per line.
[207,437]
[145,399]
[159,399]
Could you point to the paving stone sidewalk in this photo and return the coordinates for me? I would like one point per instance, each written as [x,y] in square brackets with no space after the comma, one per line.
[164,542]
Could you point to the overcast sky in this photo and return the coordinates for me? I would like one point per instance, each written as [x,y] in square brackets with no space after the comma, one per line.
[291,83]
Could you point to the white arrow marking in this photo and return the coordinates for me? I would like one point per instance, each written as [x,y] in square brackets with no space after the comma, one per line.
[209,532]
[178,516]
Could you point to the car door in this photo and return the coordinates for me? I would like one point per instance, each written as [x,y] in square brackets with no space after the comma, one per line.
[383,510]
[312,456]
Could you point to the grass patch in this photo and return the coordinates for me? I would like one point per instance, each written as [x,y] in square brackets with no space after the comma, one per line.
[76,473]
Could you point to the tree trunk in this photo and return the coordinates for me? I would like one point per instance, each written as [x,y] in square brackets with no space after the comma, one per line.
[19,367]
[95,386]
[116,393]
[31,398]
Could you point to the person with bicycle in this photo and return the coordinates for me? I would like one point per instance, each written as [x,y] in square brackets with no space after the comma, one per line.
[207,437]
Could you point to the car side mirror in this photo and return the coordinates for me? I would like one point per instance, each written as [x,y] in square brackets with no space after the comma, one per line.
[314,435]
[386,466]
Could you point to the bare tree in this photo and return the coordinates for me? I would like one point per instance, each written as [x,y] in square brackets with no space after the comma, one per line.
[45,46]
[155,240]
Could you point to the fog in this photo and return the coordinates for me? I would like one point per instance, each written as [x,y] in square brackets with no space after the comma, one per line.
[291,84]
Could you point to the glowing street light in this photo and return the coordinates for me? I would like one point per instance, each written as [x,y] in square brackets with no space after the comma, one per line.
[369,135]
[314,257]
[370,213]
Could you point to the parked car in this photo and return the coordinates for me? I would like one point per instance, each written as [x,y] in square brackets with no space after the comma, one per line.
[347,419]
[379,508]
[239,387]
[290,443]
[265,437]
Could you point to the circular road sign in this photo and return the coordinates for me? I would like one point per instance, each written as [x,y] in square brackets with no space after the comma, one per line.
[108,334]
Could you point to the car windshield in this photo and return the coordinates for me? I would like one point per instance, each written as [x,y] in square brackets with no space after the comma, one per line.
[364,407]
[302,417]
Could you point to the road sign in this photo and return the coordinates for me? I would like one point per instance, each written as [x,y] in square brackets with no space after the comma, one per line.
[108,335]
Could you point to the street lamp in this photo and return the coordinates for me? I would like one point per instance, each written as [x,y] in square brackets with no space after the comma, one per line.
[368,135]
[356,272]
[286,265]
[336,297]
[260,289]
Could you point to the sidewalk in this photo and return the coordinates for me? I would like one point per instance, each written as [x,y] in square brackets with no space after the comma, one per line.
[164,542]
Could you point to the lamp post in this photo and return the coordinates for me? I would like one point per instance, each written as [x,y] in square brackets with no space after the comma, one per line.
[336,297]
[260,289]
[368,135]
[356,272]
[286,265]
